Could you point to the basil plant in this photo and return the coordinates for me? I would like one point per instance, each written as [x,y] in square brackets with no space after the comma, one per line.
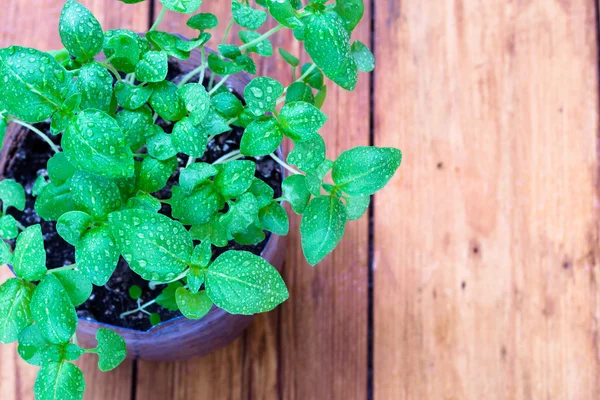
[105,94]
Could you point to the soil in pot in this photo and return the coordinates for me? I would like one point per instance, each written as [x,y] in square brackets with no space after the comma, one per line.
[107,302]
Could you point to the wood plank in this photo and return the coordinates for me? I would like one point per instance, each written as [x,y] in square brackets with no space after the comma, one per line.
[35,24]
[315,345]
[486,247]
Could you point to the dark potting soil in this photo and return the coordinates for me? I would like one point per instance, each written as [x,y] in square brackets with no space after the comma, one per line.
[107,302]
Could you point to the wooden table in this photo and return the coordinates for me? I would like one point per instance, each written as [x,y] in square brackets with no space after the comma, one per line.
[477,277]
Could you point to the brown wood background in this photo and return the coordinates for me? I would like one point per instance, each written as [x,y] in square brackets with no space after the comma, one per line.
[480,278]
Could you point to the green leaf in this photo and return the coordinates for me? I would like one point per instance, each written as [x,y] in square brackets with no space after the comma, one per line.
[194,174]
[8,227]
[135,125]
[111,349]
[261,94]
[202,254]
[351,12]
[29,261]
[6,255]
[96,255]
[173,45]
[15,298]
[53,201]
[365,60]
[241,214]
[262,191]
[299,91]
[197,207]
[12,194]
[94,194]
[320,97]
[166,102]
[144,201]
[39,185]
[365,170]
[155,319]
[72,225]
[274,219]
[283,12]
[53,310]
[357,206]
[3,127]
[214,124]
[262,48]
[262,137]
[59,381]
[196,100]
[95,84]
[166,299]
[160,145]
[300,120]
[289,58]
[252,235]
[223,67]
[193,305]
[76,284]
[132,97]
[203,21]
[182,6]
[315,177]
[188,139]
[60,169]
[154,173]
[309,154]
[322,227]
[153,67]
[156,247]
[247,17]
[95,143]
[295,192]
[35,349]
[315,78]
[328,44]
[227,104]
[212,231]
[124,49]
[240,282]
[80,32]
[195,279]
[234,177]
[33,84]
[135,292]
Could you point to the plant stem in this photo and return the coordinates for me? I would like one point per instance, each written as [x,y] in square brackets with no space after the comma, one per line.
[20,226]
[192,73]
[140,308]
[284,164]
[112,69]
[218,85]
[261,37]
[159,19]
[152,285]
[304,75]
[227,156]
[64,268]
[227,30]
[39,133]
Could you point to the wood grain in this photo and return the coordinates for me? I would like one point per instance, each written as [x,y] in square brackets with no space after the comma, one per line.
[486,245]
[315,345]
[35,24]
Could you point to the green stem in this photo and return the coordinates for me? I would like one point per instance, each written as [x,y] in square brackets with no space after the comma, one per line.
[141,155]
[159,19]
[227,30]
[39,133]
[284,164]
[112,69]
[261,37]
[20,226]
[228,156]
[199,70]
[140,308]
[64,268]
[218,85]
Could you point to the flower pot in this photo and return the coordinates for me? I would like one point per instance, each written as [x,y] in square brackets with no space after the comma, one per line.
[179,337]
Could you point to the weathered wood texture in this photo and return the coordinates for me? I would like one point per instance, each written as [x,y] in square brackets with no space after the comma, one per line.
[35,24]
[315,345]
[486,247]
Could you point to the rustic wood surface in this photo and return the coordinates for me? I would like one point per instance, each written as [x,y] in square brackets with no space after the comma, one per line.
[484,246]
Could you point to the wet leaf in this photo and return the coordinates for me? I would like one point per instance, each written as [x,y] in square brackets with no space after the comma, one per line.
[153,67]
[283,12]
[166,102]
[223,67]
[166,299]
[53,310]
[262,192]
[308,154]
[5,253]
[322,227]
[132,97]
[247,17]
[196,100]
[262,137]
[365,170]
[194,174]
[160,145]
[8,227]
[29,260]
[262,48]
[241,214]
[59,381]
[227,104]
[195,279]
[295,192]
[252,235]
[72,225]
[289,58]
[274,218]
[96,255]
[12,194]
[365,60]
[234,177]
[173,45]
[261,95]
[315,177]
[351,12]
[94,194]
[197,207]
[80,32]
[203,21]
[240,282]
[301,120]
[188,139]
[315,78]
[95,84]
[156,247]
[135,126]
[15,298]
[299,91]
[357,206]
[35,349]
[212,231]
[95,143]
[182,6]
[154,173]
[110,349]
[124,48]
[60,170]
[76,284]
[53,201]
[193,305]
